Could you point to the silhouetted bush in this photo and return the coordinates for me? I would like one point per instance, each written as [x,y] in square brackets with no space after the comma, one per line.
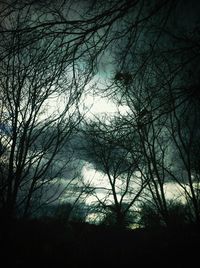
[123,220]
[178,215]
[150,216]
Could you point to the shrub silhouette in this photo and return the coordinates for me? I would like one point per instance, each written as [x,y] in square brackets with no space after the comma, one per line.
[178,215]
[120,220]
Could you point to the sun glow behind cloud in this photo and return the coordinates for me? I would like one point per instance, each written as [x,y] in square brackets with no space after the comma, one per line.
[98,105]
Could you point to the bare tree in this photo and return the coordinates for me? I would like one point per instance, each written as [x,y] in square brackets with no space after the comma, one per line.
[40,91]
[154,78]
[183,129]
[121,185]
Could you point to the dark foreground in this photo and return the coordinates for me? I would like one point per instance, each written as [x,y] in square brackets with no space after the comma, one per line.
[42,244]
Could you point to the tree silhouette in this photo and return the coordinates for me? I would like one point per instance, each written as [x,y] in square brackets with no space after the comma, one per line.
[53,49]
[105,147]
[33,132]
